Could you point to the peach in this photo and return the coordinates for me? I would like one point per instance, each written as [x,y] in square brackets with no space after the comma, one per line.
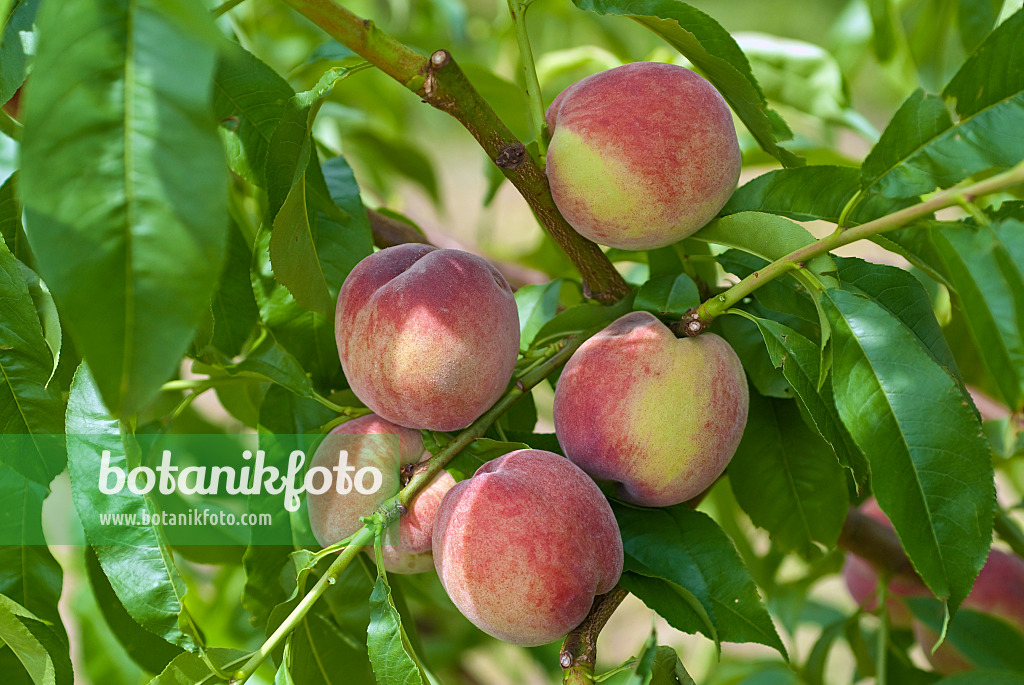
[862,579]
[524,546]
[372,441]
[428,338]
[642,155]
[998,590]
[659,416]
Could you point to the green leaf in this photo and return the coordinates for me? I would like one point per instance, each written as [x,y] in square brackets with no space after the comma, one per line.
[986,641]
[11,230]
[688,548]
[27,405]
[29,574]
[711,49]
[390,652]
[46,310]
[768,236]
[582,317]
[190,669]
[975,19]
[319,653]
[923,147]
[787,479]
[37,647]
[133,557]
[395,158]
[234,306]
[126,195]
[267,360]
[249,100]
[658,665]
[306,220]
[808,193]
[145,648]
[478,453]
[16,42]
[680,607]
[668,296]
[985,267]
[930,464]
[537,304]
[799,359]
[904,297]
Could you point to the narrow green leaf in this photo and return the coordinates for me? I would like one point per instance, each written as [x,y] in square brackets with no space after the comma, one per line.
[688,548]
[17,39]
[711,49]
[249,101]
[787,479]
[320,654]
[985,640]
[668,296]
[658,665]
[27,405]
[133,557]
[46,310]
[267,360]
[146,649]
[37,647]
[234,306]
[799,359]
[29,574]
[975,19]
[809,193]
[537,304]
[984,677]
[930,464]
[390,653]
[768,236]
[190,669]
[124,183]
[905,298]
[12,231]
[985,267]
[676,604]
[923,147]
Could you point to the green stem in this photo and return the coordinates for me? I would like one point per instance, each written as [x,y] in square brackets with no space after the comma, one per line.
[518,12]
[439,82]
[362,538]
[10,126]
[395,506]
[716,306]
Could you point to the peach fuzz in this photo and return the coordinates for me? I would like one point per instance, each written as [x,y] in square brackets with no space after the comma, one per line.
[660,417]
[642,155]
[862,579]
[524,546]
[428,338]
[999,591]
[369,442]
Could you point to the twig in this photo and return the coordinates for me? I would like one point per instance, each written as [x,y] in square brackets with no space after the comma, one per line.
[579,649]
[440,82]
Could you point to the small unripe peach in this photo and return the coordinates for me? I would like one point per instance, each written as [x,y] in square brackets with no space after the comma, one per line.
[524,546]
[660,417]
[642,155]
[428,338]
[370,441]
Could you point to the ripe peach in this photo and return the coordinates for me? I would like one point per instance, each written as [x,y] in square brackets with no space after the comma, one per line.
[334,516]
[428,338]
[525,545]
[642,155]
[862,579]
[998,590]
[659,416]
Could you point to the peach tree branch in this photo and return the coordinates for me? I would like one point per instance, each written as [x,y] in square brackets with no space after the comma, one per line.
[699,317]
[440,82]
